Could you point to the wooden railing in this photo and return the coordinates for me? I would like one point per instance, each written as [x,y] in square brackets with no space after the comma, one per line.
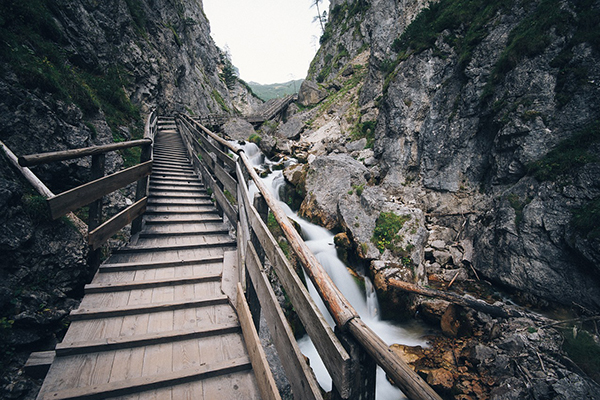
[351,351]
[92,193]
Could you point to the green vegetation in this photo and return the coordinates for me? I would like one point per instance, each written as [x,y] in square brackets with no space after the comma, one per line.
[583,350]
[229,74]
[385,235]
[587,219]
[36,207]
[465,20]
[518,206]
[341,15]
[275,90]
[33,47]
[365,130]
[6,350]
[230,197]
[569,155]
[571,77]
[137,14]
[531,37]
[255,138]
[219,99]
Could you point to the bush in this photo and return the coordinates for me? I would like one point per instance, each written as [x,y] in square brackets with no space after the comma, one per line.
[586,219]
[255,138]
[568,155]
[385,235]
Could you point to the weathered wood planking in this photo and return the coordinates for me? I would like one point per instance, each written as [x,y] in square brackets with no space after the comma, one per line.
[264,377]
[101,234]
[36,159]
[335,357]
[144,383]
[304,384]
[80,196]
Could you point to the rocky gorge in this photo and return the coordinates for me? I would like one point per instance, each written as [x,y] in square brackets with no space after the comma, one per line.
[451,144]
[455,144]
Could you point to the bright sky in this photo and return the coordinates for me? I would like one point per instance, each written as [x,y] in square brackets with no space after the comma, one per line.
[270,41]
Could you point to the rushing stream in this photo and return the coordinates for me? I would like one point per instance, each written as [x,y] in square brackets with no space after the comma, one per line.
[320,242]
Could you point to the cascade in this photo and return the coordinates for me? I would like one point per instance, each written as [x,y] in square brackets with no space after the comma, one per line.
[320,242]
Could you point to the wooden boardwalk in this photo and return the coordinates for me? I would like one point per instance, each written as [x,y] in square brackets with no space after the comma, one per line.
[156,322]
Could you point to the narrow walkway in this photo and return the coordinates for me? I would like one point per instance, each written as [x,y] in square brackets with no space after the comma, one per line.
[155,322]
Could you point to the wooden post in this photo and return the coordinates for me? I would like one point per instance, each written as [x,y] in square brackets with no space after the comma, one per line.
[95,211]
[363,370]
[253,302]
[142,188]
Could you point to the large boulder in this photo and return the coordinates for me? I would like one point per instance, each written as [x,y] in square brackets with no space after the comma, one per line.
[310,94]
[238,129]
[328,179]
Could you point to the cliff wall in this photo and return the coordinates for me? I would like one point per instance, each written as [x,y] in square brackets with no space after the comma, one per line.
[483,117]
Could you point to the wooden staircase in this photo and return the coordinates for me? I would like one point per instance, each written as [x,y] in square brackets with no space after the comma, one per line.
[155,322]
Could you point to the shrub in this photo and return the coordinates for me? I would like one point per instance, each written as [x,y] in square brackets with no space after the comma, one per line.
[586,219]
[255,138]
[385,235]
[568,155]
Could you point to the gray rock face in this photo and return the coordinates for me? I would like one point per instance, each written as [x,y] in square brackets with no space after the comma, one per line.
[337,175]
[310,94]
[238,129]
[450,143]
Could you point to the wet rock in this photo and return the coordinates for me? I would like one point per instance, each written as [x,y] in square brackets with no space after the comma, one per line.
[432,310]
[440,379]
[454,322]
[408,354]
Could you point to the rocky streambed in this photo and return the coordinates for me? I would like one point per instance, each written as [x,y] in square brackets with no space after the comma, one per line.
[469,354]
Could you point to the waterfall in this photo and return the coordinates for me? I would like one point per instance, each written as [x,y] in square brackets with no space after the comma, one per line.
[320,242]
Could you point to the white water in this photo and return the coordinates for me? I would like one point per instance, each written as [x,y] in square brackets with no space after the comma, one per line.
[320,242]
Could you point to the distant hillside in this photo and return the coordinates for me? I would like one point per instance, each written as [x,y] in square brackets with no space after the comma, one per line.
[268,92]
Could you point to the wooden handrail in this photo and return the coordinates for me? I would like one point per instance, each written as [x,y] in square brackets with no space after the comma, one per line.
[43,158]
[346,318]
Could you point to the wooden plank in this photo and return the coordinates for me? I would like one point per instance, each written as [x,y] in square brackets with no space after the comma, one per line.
[227,180]
[262,371]
[302,380]
[141,249]
[101,234]
[211,148]
[230,275]
[84,313]
[39,363]
[44,158]
[228,209]
[116,287]
[136,385]
[148,339]
[332,352]
[85,194]
[134,266]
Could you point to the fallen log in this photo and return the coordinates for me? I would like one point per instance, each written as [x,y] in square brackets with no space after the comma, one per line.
[467,301]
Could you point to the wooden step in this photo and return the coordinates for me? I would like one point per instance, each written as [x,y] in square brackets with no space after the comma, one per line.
[176,247]
[150,284]
[99,312]
[154,235]
[137,385]
[149,339]
[183,220]
[135,266]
